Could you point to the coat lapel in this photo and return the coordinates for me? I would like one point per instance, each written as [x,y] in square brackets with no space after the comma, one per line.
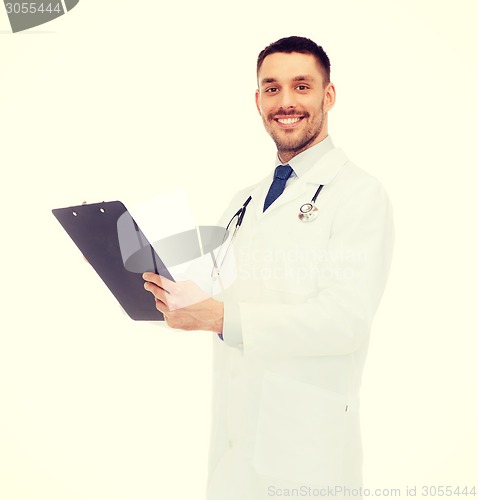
[322,172]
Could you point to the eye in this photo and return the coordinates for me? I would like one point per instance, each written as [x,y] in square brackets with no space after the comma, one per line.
[272,90]
[302,87]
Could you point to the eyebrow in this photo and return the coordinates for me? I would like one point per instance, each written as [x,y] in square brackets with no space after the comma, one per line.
[302,78]
[299,78]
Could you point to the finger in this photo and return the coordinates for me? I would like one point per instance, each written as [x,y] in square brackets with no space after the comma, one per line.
[159,281]
[161,307]
[156,290]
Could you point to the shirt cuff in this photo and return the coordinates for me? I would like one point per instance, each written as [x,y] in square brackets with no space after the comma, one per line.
[232,331]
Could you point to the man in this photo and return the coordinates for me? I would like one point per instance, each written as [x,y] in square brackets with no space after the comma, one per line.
[295,323]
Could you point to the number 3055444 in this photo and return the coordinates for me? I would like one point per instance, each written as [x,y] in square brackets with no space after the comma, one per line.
[33,8]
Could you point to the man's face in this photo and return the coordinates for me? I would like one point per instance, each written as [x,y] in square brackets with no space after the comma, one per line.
[293,102]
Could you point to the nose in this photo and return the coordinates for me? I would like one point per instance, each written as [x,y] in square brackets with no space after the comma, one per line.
[287,99]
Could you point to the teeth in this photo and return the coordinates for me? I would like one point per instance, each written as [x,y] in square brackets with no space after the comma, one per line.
[288,121]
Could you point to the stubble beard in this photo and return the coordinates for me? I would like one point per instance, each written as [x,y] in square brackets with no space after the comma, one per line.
[297,144]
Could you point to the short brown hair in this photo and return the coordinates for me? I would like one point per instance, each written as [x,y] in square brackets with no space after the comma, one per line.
[303,46]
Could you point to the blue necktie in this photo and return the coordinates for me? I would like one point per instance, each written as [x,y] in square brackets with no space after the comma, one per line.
[282,173]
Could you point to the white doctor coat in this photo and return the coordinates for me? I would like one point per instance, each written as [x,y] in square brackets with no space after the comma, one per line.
[285,408]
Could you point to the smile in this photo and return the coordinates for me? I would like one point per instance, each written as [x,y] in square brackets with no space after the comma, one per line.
[288,122]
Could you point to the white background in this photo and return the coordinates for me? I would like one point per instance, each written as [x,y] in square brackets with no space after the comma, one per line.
[127,100]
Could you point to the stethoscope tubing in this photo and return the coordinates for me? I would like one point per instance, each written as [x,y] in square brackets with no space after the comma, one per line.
[308,212]
[242,211]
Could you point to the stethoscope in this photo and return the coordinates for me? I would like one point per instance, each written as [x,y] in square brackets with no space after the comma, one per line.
[307,213]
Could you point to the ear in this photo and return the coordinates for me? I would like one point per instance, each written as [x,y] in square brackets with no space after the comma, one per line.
[329,97]
[258,106]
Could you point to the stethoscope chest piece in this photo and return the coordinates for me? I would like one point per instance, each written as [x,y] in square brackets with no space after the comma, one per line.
[308,212]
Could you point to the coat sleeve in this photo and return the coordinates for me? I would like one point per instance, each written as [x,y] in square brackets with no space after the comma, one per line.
[336,320]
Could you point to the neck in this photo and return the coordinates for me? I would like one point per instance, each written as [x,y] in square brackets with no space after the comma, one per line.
[287,155]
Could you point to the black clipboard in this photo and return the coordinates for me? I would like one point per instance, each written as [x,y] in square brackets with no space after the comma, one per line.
[115,246]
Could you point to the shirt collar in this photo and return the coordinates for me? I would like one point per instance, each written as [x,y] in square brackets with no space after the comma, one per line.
[318,164]
[305,160]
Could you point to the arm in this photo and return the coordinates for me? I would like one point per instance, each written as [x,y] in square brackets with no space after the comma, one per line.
[336,320]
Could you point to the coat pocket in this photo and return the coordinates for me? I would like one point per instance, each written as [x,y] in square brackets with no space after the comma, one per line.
[301,432]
